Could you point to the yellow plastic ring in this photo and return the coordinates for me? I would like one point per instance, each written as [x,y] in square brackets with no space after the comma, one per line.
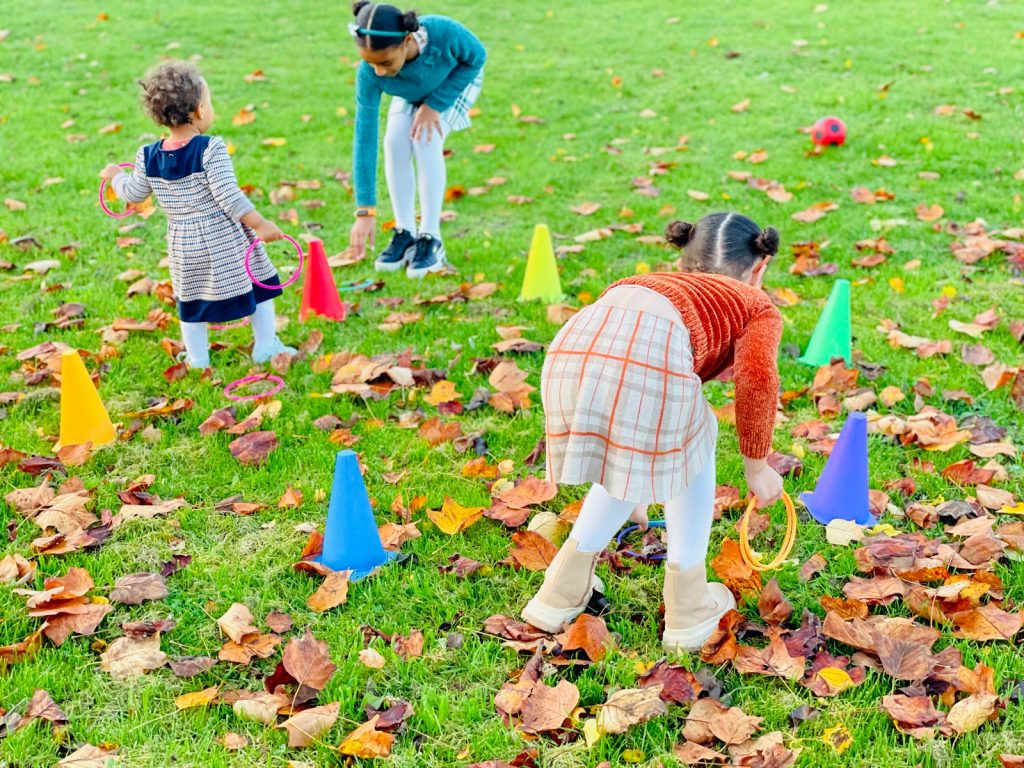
[787,545]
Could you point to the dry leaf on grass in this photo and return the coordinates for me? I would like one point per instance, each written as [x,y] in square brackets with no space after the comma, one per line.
[236,623]
[332,592]
[772,604]
[367,742]
[135,588]
[309,725]
[254,448]
[370,657]
[307,660]
[454,518]
[971,713]
[89,756]
[532,551]
[677,684]
[549,707]
[262,707]
[197,698]
[127,657]
[630,707]
[709,719]
[589,634]
[915,715]
[733,571]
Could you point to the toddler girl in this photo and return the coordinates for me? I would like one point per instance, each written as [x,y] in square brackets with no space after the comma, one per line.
[624,410]
[210,222]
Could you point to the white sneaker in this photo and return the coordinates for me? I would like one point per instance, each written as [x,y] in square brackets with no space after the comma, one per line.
[275,349]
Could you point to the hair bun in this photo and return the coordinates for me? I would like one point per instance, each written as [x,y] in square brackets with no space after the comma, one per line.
[679,233]
[409,21]
[767,242]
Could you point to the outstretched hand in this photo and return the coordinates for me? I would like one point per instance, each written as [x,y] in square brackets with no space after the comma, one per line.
[109,173]
[364,232]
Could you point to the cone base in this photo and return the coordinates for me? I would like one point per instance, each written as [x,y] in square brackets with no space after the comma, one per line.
[96,442]
[550,299]
[360,573]
[825,516]
[331,313]
[816,361]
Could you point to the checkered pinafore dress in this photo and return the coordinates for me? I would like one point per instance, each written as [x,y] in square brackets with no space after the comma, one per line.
[623,406]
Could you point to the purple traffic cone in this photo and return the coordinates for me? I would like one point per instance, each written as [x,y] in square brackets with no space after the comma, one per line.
[842,490]
[351,540]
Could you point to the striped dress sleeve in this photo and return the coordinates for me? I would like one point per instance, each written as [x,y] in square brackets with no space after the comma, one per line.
[220,175]
[134,187]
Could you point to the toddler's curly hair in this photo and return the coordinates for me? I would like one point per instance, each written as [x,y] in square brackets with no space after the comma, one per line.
[171,92]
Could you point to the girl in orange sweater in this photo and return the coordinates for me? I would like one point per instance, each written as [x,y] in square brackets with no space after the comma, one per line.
[624,410]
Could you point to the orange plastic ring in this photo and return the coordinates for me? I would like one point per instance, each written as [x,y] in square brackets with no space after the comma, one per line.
[787,544]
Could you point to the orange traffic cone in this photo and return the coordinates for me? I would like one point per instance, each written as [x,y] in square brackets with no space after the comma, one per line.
[319,293]
[83,419]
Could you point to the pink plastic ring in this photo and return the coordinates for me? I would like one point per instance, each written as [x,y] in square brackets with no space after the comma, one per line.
[103,203]
[298,269]
[229,326]
[230,388]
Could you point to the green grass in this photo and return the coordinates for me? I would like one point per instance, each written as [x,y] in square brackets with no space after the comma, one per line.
[557,64]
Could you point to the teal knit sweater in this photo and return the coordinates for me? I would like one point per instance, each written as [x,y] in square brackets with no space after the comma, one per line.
[451,60]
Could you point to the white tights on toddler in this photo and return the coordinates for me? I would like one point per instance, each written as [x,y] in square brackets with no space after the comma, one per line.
[688,519]
[196,335]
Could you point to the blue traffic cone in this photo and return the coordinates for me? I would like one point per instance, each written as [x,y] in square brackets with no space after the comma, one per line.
[832,336]
[842,490]
[351,540]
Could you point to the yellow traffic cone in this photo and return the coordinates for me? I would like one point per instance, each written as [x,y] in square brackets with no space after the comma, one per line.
[541,280]
[83,419]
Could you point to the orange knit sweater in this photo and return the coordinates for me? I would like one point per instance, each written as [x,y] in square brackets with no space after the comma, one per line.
[730,323]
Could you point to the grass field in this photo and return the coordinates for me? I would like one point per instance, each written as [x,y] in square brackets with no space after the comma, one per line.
[586,69]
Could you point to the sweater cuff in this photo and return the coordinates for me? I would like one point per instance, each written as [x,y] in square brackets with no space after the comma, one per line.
[755,447]
[437,104]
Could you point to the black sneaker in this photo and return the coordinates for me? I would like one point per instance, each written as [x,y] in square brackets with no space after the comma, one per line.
[398,252]
[429,257]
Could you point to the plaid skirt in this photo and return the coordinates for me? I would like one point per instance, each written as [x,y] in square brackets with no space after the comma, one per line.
[623,406]
[456,117]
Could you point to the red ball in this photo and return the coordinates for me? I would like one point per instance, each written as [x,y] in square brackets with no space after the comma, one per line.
[828,130]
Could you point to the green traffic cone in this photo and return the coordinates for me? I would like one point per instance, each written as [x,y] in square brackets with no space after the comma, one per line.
[831,338]
[541,280]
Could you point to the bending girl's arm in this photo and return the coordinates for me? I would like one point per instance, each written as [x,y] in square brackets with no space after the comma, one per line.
[756,374]
[471,55]
[364,148]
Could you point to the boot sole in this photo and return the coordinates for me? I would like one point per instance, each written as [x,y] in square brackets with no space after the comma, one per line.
[424,271]
[394,266]
[551,619]
[693,638]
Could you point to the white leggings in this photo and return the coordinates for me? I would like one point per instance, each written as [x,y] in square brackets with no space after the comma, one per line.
[399,150]
[688,519]
[196,335]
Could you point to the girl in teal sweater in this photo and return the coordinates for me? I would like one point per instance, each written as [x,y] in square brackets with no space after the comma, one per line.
[433,69]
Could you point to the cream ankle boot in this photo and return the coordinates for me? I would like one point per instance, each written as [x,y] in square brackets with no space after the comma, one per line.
[568,584]
[693,607]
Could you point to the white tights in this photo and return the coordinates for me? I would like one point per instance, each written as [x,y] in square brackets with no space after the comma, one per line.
[688,519]
[399,151]
[196,335]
